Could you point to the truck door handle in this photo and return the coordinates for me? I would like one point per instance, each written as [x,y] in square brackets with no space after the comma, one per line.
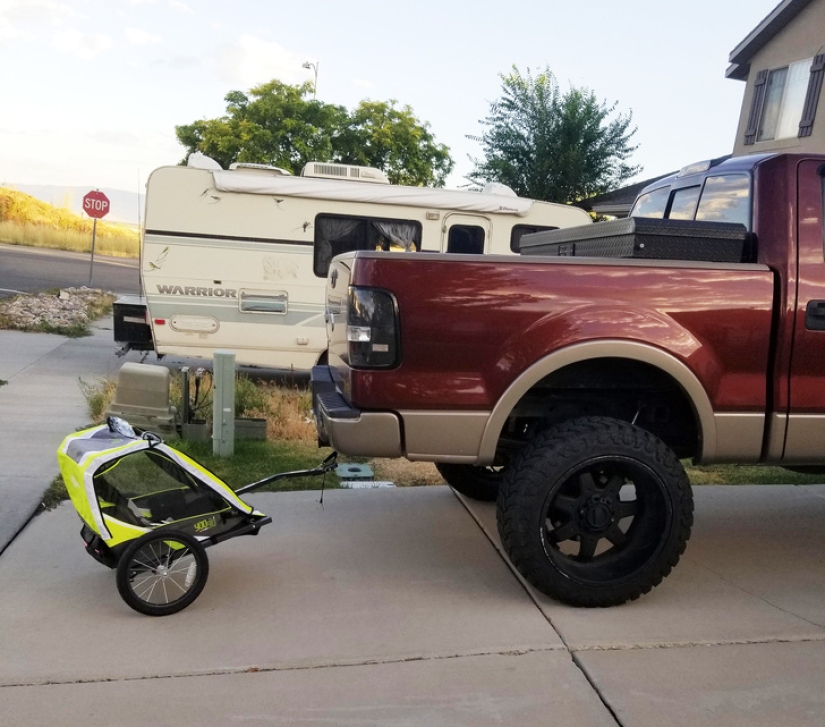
[815,315]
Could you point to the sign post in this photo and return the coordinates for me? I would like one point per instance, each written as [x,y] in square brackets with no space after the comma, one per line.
[96,205]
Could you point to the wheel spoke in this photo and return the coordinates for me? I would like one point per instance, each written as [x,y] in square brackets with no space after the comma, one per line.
[613,486]
[564,503]
[568,531]
[615,535]
[627,509]
[588,547]
[587,483]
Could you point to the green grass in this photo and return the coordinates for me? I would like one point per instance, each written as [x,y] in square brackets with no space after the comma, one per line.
[253,461]
[732,474]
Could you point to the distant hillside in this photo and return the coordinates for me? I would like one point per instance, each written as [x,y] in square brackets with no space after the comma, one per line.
[24,209]
[127,207]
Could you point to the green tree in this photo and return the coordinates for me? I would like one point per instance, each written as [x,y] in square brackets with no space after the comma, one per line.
[553,146]
[380,135]
[276,124]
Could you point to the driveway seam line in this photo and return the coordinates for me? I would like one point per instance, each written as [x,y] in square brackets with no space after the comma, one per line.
[272,669]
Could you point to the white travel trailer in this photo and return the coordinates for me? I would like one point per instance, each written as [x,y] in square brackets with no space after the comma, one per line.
[237,259]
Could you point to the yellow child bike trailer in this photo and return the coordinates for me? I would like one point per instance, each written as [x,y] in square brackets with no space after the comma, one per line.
[150,512]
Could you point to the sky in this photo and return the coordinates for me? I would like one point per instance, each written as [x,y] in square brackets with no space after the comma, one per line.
[92,89]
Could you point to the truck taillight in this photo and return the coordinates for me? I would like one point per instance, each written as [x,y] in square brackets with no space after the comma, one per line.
[372,330]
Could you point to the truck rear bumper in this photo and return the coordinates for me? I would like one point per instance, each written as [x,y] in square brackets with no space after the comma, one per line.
[347,429]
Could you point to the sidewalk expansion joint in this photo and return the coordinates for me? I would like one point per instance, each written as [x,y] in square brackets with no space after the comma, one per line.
[276,669]
[595,687]
[813,639]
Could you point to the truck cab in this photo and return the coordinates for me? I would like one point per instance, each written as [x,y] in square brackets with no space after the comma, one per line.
[716,190]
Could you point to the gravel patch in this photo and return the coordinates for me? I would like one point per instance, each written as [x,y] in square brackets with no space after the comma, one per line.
[71,309]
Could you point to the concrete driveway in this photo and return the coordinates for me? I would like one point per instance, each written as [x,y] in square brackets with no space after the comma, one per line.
[395,607]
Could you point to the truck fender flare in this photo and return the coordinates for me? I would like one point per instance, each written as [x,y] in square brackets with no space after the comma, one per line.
[588,350]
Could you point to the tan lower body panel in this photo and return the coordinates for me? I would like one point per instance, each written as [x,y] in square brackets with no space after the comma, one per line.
[737,439]
[805,440]
[373,434]
[444,436]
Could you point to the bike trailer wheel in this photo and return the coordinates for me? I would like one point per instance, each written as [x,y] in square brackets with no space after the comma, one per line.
[162,572]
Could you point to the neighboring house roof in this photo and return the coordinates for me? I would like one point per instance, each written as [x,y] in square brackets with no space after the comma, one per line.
[618,202]
[761,35]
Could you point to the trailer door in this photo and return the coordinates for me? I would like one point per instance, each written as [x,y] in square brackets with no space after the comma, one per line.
[465,234]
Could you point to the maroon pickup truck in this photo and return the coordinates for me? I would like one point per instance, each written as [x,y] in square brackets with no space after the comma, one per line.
[569,382]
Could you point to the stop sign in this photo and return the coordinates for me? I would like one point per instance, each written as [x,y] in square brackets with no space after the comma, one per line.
[96,204]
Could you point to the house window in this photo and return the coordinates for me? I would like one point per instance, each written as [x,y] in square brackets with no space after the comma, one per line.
[784,101]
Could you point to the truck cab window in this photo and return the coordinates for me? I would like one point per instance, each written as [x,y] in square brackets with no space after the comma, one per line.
[466,239]
[683,203]
[335,235]
[725,198]
[652,204]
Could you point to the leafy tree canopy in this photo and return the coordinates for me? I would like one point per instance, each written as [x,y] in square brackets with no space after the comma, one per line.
[553,146]
[275,124]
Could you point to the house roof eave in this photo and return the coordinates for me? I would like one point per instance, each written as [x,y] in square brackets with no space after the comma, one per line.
[761,35]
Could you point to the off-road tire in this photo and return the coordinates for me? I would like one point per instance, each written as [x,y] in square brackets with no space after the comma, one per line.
[477,483]
[565,500]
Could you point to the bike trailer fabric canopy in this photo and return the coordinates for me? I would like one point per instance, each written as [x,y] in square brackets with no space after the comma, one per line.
[124,486]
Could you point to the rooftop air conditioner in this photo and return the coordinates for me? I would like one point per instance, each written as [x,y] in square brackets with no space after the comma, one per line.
[327,170]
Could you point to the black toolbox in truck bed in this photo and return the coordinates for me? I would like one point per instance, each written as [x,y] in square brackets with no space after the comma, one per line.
[647,238]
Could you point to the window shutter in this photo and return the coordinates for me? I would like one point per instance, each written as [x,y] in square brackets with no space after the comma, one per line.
[806,124]
[760,86]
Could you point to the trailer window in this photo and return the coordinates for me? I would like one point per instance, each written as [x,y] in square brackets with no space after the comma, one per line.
[466,239]
[652,204]
[726,198]
[335,235]
[520,231]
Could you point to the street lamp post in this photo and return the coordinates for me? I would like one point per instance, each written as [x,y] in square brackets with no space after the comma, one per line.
[313,66]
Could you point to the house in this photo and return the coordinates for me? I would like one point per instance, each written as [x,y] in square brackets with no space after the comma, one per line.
[782,61]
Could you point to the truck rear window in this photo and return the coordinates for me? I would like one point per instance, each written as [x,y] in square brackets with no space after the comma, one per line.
[723,198]
[726,199]
[683,203]
[652,204]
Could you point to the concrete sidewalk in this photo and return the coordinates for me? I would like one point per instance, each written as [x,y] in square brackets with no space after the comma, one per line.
[394,607]
[41,403]
[390,607]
